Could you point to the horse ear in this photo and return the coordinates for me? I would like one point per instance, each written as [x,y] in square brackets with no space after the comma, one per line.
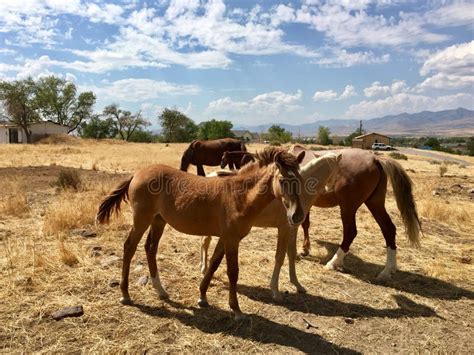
[300,157]
[339,157]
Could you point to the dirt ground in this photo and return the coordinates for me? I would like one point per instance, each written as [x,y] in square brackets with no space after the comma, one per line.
[45,265]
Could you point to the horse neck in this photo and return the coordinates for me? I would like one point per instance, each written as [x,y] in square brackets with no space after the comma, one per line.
[186,159]
[257,190]
[320,170]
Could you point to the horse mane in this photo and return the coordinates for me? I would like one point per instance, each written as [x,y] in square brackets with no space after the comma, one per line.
[268,156]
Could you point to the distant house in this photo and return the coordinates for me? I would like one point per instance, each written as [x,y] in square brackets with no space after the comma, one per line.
[12,133]
[365,141]
[245,135]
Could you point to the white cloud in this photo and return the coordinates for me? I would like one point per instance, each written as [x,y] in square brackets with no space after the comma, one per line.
[139,90]
[452,68]
[341,58]
[267,106]
[456,13]
[327,95]
[376,89]
[410,103]
[331,95]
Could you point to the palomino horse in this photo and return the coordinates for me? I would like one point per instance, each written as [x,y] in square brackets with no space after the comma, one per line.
[362,179]
[225,207]
[316,174]
[209,153]
[236,159]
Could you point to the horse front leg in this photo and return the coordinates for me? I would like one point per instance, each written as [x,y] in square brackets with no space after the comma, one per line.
[200,170]
[216,259]
[291,250]
[282,244]
[306,241]
[205,242]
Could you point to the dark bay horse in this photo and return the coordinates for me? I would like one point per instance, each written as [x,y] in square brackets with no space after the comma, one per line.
[362,179]
[236,159]
[209,153]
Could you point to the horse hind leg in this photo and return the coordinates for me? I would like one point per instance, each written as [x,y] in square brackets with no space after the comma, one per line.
[140,224]
[151,249]
[349,233]
[306,241]
[389,232]
[200,170]
[205,242]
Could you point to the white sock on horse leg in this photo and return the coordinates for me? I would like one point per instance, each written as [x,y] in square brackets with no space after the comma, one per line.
[337,260]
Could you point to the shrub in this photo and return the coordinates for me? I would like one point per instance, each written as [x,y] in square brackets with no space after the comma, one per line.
[275,143]
[443,169]
[69,178]
[398,156]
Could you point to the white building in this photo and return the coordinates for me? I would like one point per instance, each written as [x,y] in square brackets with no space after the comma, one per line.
[12,133]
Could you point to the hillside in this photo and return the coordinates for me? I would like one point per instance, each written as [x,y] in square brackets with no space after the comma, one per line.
[449,122]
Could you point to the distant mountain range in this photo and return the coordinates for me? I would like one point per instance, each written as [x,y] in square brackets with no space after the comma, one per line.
[447,123]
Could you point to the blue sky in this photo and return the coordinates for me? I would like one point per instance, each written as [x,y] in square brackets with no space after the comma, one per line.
[251,62]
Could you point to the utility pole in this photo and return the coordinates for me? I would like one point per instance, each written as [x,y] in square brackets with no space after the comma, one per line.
[360,127]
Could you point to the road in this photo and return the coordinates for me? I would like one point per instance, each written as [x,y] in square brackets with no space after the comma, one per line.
[433,154]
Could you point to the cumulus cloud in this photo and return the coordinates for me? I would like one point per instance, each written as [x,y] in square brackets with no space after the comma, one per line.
[267,106]
[376,89]
[452,68]
[331,95]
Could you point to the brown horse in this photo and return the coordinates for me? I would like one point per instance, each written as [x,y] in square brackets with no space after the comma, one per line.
[362,179]
[236,159]
[225,207]
[209,153]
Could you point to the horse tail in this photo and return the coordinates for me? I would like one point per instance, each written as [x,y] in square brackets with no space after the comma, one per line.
[403,191]
[187,156]
[112,202]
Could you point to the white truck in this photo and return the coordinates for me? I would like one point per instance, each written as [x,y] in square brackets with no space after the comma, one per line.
[381,146]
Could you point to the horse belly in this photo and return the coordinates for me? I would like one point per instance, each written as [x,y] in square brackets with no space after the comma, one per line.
[197,222]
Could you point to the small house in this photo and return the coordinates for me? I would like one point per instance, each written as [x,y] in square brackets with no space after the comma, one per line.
[245,135]
[365,141]
[12,133]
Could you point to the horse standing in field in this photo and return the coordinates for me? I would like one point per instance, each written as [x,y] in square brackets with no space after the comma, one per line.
[209,153]
[315,174]
[224,207]
[362,179]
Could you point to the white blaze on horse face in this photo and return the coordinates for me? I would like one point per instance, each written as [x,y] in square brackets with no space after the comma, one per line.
[337,261]
[390,265]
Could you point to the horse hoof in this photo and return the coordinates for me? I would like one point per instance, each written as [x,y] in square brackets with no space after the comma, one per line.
[304,253]
[203,303]
[277,297]
[301,289]
[384,276]
[126,301]
[163,296]
[330,266]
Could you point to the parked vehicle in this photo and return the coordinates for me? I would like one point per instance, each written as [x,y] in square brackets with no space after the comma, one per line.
[381,146]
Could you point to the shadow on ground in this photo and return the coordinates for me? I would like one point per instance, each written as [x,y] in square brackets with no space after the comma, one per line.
[405,281]
[256,328]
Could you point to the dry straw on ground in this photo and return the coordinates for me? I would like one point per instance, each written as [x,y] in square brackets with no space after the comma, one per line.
[45,266]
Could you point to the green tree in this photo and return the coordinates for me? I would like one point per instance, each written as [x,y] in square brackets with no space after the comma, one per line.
[18,98]
[125,122]
[176,126]
[323,135]
[470,146]
[142,136]
[433,143]
[214,129]
[278,134]
[58,101]
[348,140]
[98,128]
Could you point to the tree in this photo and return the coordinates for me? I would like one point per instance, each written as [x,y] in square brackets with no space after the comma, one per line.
[126,123]
[98,128]
[348,140]
[143,136]
[323,135]
[18,99]
[470,146]
[433,143]
[215,129]
[58,101]
[278,134]
[176,126]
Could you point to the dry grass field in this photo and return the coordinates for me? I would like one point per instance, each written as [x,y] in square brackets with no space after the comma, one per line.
[45,265]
